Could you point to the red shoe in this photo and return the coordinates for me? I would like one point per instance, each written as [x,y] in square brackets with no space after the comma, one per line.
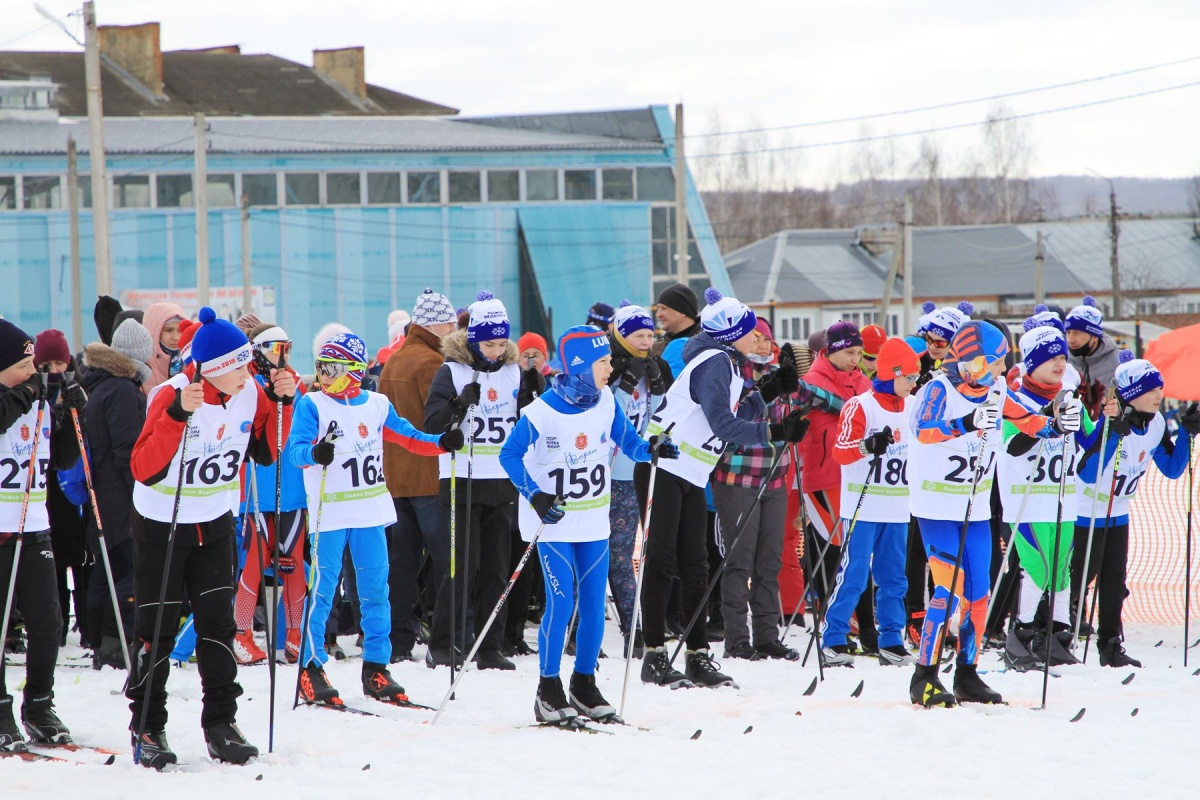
[245,650]
[291,648]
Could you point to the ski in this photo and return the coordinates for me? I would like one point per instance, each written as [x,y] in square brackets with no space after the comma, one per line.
[1129,679]
[103,755]
[405,704]
[575,725]
[858,689]
[25,754]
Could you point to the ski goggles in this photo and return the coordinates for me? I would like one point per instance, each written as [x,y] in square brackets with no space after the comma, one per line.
[278,349]
[937,342]
[339,369]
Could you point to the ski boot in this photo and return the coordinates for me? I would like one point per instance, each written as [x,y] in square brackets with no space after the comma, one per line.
[588,701]
[639,647]
[916,621]
[837,656]
[246,651]
[108,654]
[777,649]
[1060,646]
[1112,654]
[10,734]
[895,655]
[657,669]
[703,671]
[440,657]
[378,683]
[151,749]
[744,651]
[550,707]
[493,659]
[41,723]
[226,743]
[1020,648]
[970,688]
[315,686]
[926,689]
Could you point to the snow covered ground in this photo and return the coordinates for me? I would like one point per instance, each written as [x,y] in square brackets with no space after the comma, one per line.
[764,740]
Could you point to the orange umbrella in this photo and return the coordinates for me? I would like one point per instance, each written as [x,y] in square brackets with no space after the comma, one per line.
[1177,357]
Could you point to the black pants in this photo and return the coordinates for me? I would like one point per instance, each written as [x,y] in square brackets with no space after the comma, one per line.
[915,569]
[486,575]
[36,596]
[1110,552]
[420,526]
[516,612]
[102,621]
[676,546]
[207,573]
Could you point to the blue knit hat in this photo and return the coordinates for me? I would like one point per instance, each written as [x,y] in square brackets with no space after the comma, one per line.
[1086,317]
[1136,376]
[630,319]
[1040,344]
[726,319]
[600,312]
[488,319]
[946,322]
[1044,317]
[219,346]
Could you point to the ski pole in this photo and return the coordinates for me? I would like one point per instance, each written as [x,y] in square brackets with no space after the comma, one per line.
[1187,579]
[148,677]
[641,571]
[112,587]
[466,580]
[271,620]
[453,556]
[1052,584]
[309,599]
[1087,553]
[274,634]
[29,487]
[491,617]
[1013,529]
[1112,490]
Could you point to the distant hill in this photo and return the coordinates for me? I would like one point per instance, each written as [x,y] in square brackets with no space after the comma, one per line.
[1081,195]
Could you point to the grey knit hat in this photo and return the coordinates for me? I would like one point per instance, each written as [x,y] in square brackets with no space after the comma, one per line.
[133,340]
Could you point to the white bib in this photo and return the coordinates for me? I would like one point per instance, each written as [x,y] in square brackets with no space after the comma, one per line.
[940,475]
[355,493]
[1045,464]
[571,458]
[699,447]
[16,449]
[216,446]
[1136,450]
[637,409]
[490,422]
[886,499]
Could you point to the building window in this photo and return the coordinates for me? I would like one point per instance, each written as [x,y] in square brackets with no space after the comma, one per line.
[302,189]
[83,191]
[504,186]
[618,184]
[8,193]
[541,185]
[580,184]
[424,187]
[383,188]
[220,191]
[465,187]
[655,184]
[795,329]
[343,188]
[662,238]
[131,191]
[174,191]
[41,192]
[261,189]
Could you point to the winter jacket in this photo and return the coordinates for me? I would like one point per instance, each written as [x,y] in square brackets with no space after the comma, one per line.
[116,412]
[439,410]
[821,472]
[155,319]
[293,497]
[406,380]
[672,348]
[1096,372]
[709,387]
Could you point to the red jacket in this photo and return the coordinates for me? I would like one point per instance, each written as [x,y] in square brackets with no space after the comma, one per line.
[821,472]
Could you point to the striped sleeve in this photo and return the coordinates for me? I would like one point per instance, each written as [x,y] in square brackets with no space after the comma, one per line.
[852,424]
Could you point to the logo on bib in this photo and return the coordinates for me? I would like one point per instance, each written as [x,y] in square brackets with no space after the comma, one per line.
[24,433]
[551,442]
[362,430]
[635,394]
[581,441]
[221,432]
[492,394]
[1141,456]
[603,438]
[246,426]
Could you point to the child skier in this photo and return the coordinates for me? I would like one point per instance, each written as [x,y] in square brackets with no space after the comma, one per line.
[30,450]
[1030,472]
[872,448]
[196,435]
[562,448]
[701,405]
[349,491]
[1137,434]
[955,420]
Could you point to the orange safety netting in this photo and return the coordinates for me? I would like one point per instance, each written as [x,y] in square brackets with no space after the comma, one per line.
[1157,548]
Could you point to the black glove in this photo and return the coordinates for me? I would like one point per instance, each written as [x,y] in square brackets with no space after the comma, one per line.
[532,384]
[468,397]
[547,508]
[768,387]
[654,375]
[452,440]
[73,397]
[322,452]
[663,447]
[1122,424]
[877,443]
[789,377]
[29,391]
[792,429]
[1190,419]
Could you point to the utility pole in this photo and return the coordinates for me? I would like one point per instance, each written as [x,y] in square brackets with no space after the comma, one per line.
[73,216]
[200,202]
[681,219]
[1039,273]
[906,238]
[95,107]
[246,289]
[1114,233]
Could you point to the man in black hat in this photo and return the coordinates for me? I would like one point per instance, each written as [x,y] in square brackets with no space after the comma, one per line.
[678,314]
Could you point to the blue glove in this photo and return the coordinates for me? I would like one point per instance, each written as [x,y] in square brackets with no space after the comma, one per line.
[663,447]
[547,508]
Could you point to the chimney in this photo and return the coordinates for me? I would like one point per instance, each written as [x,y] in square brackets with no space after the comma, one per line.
[135,48]
[345,67]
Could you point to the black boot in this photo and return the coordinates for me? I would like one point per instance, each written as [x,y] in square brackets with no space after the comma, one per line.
[1060,646]
[639,647]
[703,671]
[226,743]
[440,657]
[657,669]
[108,654]
[378,683]
[151,749]
[550,705]
[493,659]
[315,686]
[1019,648]
[970,688]
[587,700]
[41,723]
[10,734]
[1112,654]
[926,690]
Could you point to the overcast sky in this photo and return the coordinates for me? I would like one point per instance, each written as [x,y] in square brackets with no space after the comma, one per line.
[756,63]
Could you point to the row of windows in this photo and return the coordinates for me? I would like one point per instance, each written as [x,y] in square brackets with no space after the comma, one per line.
[411,187]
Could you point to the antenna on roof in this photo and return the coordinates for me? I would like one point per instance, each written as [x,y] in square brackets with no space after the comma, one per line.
[62,25]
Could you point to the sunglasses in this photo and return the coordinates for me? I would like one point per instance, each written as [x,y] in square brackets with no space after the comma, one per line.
[337,369]
[938,343]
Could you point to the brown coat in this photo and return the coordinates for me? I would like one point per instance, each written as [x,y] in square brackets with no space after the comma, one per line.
[405,381]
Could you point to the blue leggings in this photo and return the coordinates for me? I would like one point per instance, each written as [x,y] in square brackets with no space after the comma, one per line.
[565,565]
[368,547]
[873,549]
[941,539]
